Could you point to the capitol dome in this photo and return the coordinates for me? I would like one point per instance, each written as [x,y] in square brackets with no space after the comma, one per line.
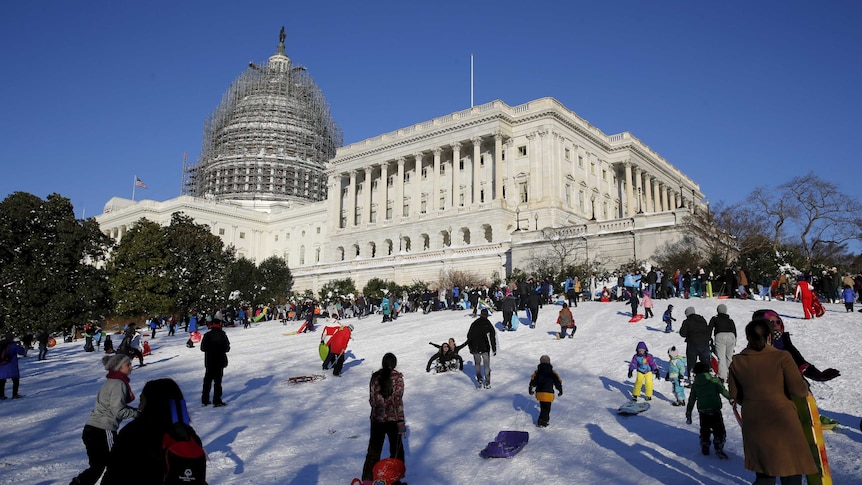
[269,139]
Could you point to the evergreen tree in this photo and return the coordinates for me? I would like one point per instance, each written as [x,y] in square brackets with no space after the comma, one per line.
[49,275]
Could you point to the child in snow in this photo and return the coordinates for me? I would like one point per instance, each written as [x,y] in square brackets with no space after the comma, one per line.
[543,381]
[566,320]
[634,302]
[109,345]
[675,370]
[668,319]
[647,304]
[706,391]
[644,363]
[849,296]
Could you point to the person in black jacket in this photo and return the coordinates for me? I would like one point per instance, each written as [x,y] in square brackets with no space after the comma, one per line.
[781,341]
[723,330]
[482,340]
[542,382]
[215,346]
[509,306]
[695,330]
[447,353]
[137,456]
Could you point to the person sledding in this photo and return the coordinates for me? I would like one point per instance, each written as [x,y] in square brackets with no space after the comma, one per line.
[130,344]
[447,357]
[781,340]
[336,338]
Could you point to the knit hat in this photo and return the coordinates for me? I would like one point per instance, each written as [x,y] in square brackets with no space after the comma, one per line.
[689,311]
[722,308]
[115,362]
[672,352]
[544,359]
[350,327]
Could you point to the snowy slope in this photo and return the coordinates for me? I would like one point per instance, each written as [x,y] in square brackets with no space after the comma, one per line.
[273,433]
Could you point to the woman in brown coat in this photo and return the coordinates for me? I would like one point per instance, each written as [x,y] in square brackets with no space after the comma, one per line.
[772,434]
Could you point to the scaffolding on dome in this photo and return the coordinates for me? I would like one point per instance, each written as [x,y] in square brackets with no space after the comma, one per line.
[269,139]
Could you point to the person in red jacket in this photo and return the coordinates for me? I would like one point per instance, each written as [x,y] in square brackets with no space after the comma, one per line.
[337,348]
[805,293]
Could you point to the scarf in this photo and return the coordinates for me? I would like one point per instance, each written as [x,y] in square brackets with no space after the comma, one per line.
[115,374]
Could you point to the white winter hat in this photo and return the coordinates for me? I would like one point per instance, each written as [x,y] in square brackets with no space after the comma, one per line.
[722,308]
[689,311]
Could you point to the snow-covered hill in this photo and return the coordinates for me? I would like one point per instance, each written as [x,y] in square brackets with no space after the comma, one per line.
[274,433]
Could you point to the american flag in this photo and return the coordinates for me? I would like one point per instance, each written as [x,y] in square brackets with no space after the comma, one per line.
[140,183]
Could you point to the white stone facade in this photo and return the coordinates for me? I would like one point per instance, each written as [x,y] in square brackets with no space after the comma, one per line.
[451,193]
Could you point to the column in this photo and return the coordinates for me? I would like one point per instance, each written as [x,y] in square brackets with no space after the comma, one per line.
[664,197]
[351,200]
[533,171]
[477,183]
[511,192]
[416,203]
[629,186]
[383,192]
[455,193]
[651,191]
[366,202]
[498,167]
[398,203]
[639,189]
[435,193]
[334,195]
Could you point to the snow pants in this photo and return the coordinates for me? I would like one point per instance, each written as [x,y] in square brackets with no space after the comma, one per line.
[678,390]
[711,423]
[808,306]
[725,343]
[16,381]
[643,380]
[379,431]
[98,443]
[212,380]
[763,479]
[544,413]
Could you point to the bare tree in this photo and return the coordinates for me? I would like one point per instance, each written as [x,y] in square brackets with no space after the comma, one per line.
[770,208]
[824,217]
[565,246]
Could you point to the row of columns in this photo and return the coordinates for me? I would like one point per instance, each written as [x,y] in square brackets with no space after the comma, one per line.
[474,178]
[646,193]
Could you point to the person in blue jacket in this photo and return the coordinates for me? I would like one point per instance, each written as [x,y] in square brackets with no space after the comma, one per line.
[10,370]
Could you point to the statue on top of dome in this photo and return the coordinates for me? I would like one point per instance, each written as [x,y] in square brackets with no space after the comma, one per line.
[281,36]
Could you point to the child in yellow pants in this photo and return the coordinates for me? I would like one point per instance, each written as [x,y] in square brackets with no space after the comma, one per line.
[644,363]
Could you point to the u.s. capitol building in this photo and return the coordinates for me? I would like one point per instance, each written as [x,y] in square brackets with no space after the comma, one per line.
[478,190]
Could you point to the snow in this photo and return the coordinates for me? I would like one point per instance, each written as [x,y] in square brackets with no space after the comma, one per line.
[273,433]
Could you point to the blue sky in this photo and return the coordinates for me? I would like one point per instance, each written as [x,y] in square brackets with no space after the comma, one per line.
[736,94]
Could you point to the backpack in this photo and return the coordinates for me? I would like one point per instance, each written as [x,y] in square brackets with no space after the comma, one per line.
[185,457]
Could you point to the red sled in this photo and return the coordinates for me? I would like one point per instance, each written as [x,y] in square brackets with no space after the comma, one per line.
[819,311]
[636,318]
[146,351]
[388,471]
[195,337]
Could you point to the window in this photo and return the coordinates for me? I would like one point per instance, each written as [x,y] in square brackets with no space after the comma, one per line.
[568,195]
[567,154]
[374,213]
[442,169]
[276,237]
[442,202]
[302,255]
[461,198]
[461,164]
[405,211]
[482,196]
[318,230]
[221,231]
[522,151]
[604,174]
[522,192]
[390,181]
[580,161]
[593,168]
[423,207]
[242,235]
[388,210]
[406,177]
[482,160]
[424,173]
[581,200]
[343,222]
[287,236]
[374,185]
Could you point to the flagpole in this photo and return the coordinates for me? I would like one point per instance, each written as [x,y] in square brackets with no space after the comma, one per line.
[134,184]
[471,79]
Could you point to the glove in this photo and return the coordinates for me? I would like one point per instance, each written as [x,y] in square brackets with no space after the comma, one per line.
[667,377]
[495,353]
[402,428]
[531,391]
[630,373]
[560,393]
[428,369]
[657,374]
[688,419]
